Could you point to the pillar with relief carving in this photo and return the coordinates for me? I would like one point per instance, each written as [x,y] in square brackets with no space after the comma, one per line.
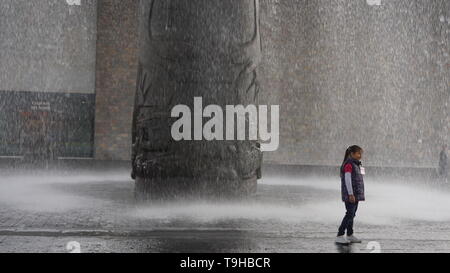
[197,48]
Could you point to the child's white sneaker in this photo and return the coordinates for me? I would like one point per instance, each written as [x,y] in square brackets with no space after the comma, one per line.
[352,239]
[341,240]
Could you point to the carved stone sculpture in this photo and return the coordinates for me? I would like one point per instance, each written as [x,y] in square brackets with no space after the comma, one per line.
[194,48]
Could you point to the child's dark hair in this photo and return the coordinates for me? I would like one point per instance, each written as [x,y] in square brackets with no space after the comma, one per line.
[350,150]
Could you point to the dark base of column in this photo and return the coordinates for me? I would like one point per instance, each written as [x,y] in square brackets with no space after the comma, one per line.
[170,189]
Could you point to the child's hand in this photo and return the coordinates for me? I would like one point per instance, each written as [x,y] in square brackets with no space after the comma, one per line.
[352,199]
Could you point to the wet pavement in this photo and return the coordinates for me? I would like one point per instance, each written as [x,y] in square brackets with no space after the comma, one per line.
[50,211]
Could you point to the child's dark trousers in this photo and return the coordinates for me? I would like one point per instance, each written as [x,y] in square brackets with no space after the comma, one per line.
[347,222]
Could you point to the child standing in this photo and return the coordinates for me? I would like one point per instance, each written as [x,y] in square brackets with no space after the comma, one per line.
[352,189]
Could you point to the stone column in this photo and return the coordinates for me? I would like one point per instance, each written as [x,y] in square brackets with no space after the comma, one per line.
[196,48]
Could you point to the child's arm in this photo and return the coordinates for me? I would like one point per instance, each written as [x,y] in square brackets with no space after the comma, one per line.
[348,181]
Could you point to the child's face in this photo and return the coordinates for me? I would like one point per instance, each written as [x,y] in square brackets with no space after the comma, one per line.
[357,155]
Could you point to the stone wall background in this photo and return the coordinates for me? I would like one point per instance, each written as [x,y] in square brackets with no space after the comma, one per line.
[47,46]
[47,76]
[347,73]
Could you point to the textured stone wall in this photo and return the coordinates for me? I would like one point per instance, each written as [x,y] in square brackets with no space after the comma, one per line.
[351,73]
[116,78]
[47,77]
[47,46]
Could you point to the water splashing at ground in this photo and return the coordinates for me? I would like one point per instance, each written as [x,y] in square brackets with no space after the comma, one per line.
[280,199]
